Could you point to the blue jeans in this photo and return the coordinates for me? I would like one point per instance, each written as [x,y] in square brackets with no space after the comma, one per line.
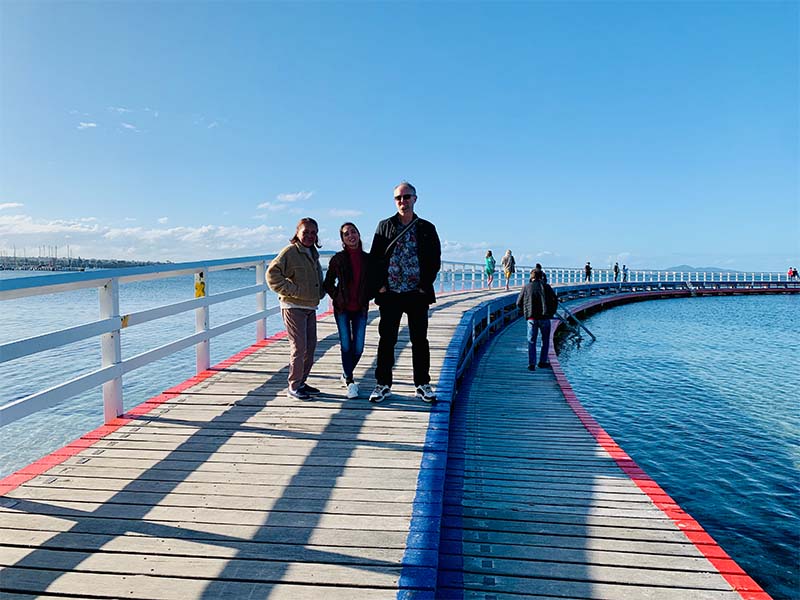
[352,326]
[534,325]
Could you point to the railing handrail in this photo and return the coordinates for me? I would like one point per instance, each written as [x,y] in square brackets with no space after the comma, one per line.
[111,323]
[19,287]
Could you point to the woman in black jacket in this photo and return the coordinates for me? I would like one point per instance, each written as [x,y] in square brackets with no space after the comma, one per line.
[346,284]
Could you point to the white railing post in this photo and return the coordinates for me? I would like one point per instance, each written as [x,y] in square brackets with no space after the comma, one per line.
[202,349]
[111,348]
[261,300]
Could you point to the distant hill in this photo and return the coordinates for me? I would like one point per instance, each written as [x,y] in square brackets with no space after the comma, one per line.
[701,269]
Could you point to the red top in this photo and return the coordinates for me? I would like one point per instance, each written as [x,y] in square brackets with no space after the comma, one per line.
[357,268]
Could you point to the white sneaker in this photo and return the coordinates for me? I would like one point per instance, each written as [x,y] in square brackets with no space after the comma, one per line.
[426,393]
[352,390]
[380,393]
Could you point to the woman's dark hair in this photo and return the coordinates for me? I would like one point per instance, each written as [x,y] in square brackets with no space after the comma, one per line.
[488,253]
[300,223]
[341,233]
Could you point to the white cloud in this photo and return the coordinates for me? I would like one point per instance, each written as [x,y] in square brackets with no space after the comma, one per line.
[119,110]
[271,206]
[86,125]
[6,205]
[213,125]
[163,220]
[90,239]
[344,213]
[130,127]
[294,197]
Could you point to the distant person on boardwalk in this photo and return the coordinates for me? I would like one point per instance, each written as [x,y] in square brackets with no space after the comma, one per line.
[624,273]
[509,266]
[538,303]
[792,273]
[346,284]
[538,267]
[587,271]
[295,275]
[490,268]
[616,271]
[405,258]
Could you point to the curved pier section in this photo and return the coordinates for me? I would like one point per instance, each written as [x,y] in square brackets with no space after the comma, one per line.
[541,501]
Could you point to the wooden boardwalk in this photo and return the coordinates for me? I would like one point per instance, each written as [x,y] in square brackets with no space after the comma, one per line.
[230,489]
[535,506]
[226,488]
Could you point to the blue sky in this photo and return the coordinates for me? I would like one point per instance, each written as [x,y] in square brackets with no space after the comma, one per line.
[653,133]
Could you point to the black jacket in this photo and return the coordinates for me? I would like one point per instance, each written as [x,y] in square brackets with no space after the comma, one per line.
[339,278]
[429,252]
[531,305]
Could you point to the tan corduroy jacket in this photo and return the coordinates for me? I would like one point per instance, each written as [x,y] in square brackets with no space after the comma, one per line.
[296,276]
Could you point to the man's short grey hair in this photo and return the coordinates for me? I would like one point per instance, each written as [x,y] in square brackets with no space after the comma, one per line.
[407,184]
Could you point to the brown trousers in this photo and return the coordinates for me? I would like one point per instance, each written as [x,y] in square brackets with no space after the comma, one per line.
[301,327]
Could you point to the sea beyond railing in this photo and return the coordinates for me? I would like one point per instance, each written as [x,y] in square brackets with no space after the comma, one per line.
[110,324]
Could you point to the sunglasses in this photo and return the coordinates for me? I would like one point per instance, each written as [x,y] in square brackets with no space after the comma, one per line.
[404,197]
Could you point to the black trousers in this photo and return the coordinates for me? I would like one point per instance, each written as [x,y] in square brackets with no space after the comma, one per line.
[392,306]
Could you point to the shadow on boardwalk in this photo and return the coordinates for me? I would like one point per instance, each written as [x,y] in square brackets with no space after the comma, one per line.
[265,498]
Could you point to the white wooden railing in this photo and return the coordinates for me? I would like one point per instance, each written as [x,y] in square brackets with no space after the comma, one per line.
[111,325]
[460,275]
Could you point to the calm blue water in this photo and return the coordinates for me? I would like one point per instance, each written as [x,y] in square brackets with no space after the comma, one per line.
[704,393]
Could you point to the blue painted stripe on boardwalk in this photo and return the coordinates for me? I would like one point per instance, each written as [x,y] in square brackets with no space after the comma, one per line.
[418,581]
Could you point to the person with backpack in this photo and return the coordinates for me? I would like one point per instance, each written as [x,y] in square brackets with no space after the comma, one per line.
[538,303]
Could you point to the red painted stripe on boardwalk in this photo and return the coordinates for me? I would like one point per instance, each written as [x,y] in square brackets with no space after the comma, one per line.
[740,581]
[13,481]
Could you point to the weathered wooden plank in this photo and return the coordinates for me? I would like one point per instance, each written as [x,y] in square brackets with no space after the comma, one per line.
[178,514]
[39,488]
[146,587]
[376,574]
[592,572]
[225,532]
[148,545]
[500,587]
[88,500]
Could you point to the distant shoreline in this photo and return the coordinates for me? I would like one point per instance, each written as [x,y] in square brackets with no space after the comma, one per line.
[69,264]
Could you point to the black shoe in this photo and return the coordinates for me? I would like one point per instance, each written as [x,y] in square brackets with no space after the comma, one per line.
[545,366]
[308,389]
[531,367]
[299,394]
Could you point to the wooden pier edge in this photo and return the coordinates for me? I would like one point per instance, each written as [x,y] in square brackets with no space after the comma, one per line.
[726,566]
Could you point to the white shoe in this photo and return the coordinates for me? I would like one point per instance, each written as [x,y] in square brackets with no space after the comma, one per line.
[352,390]
[380,393]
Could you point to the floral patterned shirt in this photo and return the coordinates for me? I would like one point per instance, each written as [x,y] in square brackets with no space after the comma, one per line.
[404,263]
